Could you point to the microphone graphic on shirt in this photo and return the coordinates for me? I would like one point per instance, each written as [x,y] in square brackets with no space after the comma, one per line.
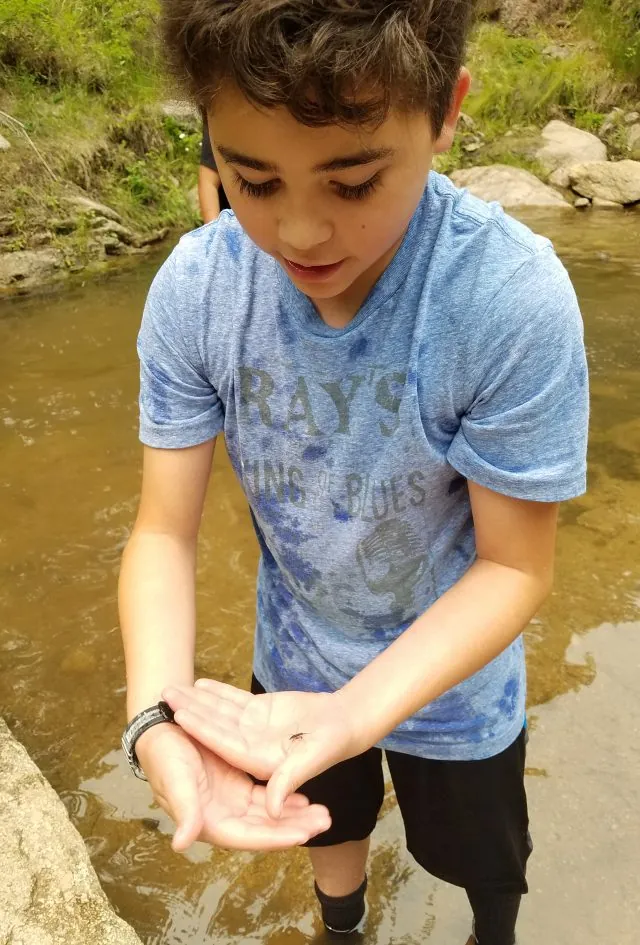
[392,562]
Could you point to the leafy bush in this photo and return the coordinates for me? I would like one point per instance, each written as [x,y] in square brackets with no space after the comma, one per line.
[99,43]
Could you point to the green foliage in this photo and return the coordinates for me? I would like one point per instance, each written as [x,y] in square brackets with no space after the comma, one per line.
[615,25]
[590,121]
[517,84]
[102,44]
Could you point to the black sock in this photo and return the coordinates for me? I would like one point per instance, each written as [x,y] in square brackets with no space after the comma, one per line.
[342,913]
[495,916]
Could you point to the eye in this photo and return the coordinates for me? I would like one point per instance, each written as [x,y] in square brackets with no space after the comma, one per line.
[357,191]
[255,190]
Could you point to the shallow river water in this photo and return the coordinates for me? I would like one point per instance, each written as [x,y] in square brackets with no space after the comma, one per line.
[69,481]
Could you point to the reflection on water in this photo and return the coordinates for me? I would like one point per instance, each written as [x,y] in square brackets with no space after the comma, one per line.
[69,479]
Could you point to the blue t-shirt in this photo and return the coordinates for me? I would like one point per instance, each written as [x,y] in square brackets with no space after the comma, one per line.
[354,445]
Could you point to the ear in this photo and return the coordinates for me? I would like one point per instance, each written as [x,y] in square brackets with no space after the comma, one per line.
[445,139]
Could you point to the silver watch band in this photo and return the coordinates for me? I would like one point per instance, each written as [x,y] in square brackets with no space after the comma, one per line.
[154,715]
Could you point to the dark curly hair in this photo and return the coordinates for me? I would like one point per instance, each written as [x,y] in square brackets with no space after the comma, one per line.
[327,61]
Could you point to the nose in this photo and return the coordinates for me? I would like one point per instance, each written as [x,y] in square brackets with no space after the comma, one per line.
[303,229]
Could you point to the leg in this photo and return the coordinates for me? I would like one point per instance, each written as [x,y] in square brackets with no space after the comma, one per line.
[340,869]
[495,916]
[467,823]
[353,792]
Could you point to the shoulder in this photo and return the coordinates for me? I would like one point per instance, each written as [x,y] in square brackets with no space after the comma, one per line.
[213,271]
[220,249]
[489,263]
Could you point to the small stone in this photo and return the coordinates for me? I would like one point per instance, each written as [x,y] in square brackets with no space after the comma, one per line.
[466,121]
[631,118]
[581,203]
[557,52]
[4,144]
[472,146]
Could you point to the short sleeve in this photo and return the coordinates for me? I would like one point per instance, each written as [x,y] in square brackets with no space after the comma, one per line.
[179,407]
[524,433]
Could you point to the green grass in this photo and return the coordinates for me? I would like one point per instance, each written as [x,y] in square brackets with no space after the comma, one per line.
[517,84]
[615,26]
[103,45]
[85,78]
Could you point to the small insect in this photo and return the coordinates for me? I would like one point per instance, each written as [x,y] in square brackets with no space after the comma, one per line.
[297,736]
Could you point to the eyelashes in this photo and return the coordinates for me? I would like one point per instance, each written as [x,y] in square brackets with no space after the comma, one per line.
[346,192]
[255,190]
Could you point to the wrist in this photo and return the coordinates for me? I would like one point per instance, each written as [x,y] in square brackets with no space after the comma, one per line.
[349,709]
[145,742]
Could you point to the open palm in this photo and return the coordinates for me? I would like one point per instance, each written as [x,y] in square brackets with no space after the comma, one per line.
[286,737]
[214,802]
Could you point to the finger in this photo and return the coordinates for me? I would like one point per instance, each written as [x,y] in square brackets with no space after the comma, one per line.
[264,834]
[239,697]
[311,816]
[182,697]
[298,767]
[184,808]
[221,714]
[293,802]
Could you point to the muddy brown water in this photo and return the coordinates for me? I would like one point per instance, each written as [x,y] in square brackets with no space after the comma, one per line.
[69,481]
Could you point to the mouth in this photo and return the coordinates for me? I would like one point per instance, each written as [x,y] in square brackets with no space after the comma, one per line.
[312,273]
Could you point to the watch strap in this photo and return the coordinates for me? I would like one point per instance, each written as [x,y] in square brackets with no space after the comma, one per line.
[142,722]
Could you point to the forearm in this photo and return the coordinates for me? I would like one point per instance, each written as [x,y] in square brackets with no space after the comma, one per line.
[157,615]
[463,631]
[208,183]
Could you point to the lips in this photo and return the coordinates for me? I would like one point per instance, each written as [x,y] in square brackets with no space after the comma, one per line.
[305,273]
[318,267]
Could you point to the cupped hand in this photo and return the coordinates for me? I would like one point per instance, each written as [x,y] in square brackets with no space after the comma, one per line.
[212,801]
[284,737]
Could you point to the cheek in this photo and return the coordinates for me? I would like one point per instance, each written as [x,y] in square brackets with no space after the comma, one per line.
[372,234]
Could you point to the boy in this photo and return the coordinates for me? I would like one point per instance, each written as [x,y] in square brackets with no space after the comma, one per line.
[399,373]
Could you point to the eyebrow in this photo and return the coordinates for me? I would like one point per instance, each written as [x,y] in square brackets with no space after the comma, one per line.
[359,159]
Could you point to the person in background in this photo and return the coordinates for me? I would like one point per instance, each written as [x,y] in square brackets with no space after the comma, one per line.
[211,195]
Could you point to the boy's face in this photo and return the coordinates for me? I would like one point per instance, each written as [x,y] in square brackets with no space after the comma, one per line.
[330,204]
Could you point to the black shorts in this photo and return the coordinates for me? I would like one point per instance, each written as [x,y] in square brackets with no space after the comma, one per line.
[466,822]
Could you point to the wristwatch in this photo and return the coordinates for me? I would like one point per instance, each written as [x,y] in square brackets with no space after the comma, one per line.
[162,712]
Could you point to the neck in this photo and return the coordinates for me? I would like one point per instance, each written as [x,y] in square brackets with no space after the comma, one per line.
[339,311]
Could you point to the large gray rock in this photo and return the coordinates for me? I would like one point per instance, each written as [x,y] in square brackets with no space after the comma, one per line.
[49,894]
[27,268]
[618,181]
[564,145]
[510,186]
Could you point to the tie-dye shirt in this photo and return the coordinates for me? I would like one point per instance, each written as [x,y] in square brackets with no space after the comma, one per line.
[354,445]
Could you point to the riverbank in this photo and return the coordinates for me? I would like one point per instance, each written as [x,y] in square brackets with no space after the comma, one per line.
[97,164]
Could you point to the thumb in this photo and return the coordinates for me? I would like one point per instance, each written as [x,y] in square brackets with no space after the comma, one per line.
[184,805]
[298,767]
